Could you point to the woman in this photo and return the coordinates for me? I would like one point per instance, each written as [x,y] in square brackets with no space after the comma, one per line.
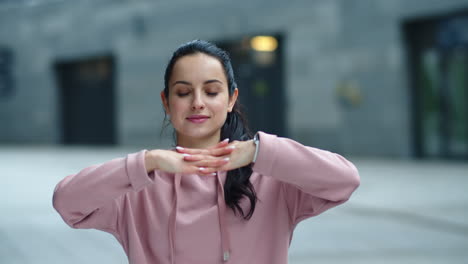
[220,196]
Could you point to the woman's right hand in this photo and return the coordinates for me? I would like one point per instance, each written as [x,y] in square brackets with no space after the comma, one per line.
[174,162]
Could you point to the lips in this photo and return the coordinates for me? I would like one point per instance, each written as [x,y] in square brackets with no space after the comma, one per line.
[197,118]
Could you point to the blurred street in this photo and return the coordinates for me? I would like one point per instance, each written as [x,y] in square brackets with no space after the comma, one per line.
[404,212]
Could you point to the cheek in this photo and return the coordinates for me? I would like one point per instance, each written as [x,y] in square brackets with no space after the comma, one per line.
[176,106]
[221,111]
[220,105]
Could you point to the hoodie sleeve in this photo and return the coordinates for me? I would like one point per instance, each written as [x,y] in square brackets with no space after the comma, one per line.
[90,198]
[313,180]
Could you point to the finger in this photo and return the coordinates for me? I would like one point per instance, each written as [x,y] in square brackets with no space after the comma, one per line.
[212,152]
[189,157]
[197,170]
[187,150]
[200,170]
[206,161]
[191,151]
[222,151]
[220,144]
[207,171]
[213,163]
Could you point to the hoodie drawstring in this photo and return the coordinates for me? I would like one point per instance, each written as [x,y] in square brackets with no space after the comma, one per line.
[173,216]
[222,220]
[225,244]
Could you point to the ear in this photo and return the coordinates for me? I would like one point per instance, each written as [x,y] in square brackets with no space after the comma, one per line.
[165,103]
[233,99]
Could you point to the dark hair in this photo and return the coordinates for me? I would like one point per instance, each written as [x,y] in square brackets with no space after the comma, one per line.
[235,127]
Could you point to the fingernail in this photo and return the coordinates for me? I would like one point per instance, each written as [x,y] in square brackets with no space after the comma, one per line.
[226,159]
[213,174]
[201,169]
[231,147]
[186,155]
[226,139]
[179,148]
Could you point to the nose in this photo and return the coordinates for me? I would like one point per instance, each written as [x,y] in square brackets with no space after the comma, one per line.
[197,102]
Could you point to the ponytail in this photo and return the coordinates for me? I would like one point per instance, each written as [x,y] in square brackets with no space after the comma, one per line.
[238,182]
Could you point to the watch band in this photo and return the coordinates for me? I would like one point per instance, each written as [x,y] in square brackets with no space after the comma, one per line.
[256,141]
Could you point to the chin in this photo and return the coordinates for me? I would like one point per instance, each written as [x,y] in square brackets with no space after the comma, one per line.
[200,136]
[199,133]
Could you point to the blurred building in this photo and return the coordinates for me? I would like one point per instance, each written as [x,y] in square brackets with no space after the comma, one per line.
[362,77]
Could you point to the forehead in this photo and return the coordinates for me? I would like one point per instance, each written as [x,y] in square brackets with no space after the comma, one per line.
[198,68]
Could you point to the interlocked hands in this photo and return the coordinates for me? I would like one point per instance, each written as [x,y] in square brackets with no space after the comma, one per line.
[224,156]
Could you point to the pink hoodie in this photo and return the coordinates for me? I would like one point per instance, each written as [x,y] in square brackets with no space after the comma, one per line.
[165,218]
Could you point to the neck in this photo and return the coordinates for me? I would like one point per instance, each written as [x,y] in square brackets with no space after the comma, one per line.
[198,143]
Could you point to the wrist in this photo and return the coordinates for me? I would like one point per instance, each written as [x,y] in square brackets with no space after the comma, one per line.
[151,158]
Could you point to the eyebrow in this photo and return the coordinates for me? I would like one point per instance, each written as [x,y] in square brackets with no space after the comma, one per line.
[206,82]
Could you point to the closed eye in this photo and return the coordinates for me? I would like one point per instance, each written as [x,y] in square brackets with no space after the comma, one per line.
[182,94]
[212,94]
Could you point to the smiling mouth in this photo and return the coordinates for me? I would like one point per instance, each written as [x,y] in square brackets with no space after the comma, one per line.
[197,119]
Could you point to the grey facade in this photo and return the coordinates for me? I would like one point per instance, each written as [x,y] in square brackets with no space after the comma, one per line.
[328,44]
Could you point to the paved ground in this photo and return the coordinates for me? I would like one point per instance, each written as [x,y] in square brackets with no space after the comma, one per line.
[404,212]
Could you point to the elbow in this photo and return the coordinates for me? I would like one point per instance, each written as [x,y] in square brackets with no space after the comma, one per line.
[347,182]
[60,204]
[344,188]
[355,179]
[67,216]
[349,172]
[352,182]
[56,200]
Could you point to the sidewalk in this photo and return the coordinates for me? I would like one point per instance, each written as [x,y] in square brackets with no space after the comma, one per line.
[404,212]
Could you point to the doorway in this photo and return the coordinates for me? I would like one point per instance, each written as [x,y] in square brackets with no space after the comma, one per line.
[438,49]
[87,100]
[259,70]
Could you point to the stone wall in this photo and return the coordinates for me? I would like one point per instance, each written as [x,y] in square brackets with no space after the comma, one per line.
[332,47]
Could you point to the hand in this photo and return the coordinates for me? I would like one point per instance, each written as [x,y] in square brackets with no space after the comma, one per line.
[206,162]
[235,155]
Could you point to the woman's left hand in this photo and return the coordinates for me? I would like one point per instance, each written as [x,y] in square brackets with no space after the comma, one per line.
[239,153]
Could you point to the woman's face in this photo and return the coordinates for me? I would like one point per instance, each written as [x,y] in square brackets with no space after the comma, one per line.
[198,99]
